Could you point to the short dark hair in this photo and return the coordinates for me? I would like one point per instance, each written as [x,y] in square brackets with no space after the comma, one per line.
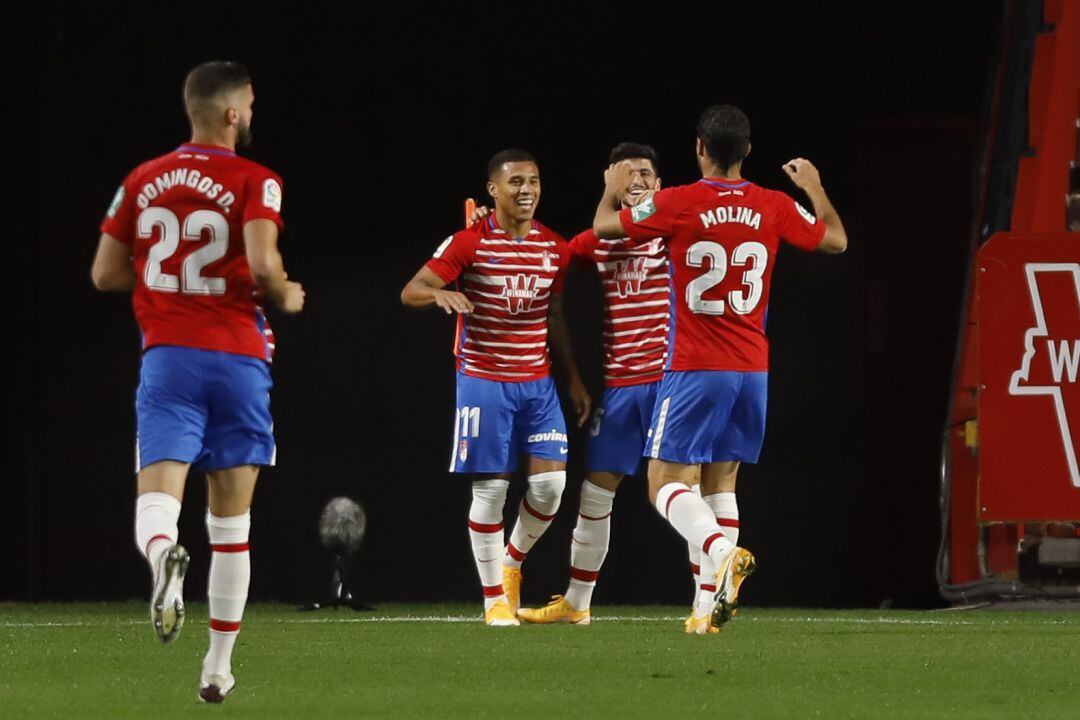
[508,156]
[725,131]
[635,151]
[209,80]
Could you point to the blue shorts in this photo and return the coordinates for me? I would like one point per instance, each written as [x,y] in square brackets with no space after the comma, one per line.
[619,427]
[497,421]
[207,408]
[705,416]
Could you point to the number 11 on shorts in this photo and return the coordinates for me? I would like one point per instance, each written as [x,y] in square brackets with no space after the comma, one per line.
[466,425]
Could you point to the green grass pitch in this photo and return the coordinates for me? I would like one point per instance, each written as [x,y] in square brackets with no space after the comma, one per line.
[436,661]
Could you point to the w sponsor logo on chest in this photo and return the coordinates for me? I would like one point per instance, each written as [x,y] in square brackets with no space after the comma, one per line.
[628,276]
[519,291]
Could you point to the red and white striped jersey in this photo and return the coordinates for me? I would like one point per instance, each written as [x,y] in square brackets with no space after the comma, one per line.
[509,281]
[636,300]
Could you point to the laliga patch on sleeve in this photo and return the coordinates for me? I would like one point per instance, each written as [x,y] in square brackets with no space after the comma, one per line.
[643,210]
[442,247]
[272,195]
[117,201]
[806,214]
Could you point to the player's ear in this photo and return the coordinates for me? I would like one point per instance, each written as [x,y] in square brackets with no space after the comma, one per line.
[700,148]
[657,183]
[749,147]
[491,188]
[232,116]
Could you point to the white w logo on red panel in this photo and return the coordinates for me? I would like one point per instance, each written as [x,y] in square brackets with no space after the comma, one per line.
[519,292]
[1051,361]
[628,276]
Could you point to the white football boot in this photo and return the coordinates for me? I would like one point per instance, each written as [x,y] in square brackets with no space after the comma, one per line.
[167,600]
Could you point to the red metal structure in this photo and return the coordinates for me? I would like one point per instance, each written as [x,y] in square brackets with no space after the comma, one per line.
[1010,476]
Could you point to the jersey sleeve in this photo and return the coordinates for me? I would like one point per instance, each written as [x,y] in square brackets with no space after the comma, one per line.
[566,256]
[797,225]
[583,246]
[656,217]
[456,253]
[119,220]
[265,194]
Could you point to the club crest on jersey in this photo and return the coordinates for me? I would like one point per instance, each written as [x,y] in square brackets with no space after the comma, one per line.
[272,195]
[643,210]
[628,276]
[547,258]
[806,214]
[519,292]
[1051,361]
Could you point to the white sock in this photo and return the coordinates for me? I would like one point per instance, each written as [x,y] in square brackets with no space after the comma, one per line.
[486,536]
[694,520]
[726,510]
[230,575]
[535,514]
[156,515]
[695,556]
[589,546]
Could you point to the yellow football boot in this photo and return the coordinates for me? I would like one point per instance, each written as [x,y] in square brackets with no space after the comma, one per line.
[499,615]
[738,566]
[699,625]
[556,611]
[512,587]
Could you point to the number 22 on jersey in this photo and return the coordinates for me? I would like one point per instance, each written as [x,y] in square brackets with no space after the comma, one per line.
[742,302]
[191,281]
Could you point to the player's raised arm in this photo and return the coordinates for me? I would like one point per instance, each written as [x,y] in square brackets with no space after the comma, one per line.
[113,270]
[559,342]
[426,289]
[268,268]
[606,223]
[806,177]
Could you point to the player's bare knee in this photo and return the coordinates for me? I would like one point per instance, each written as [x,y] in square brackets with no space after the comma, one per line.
[605,480]
[165,476]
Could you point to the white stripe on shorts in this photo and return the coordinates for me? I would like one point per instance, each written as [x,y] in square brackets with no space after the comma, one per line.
[658,436]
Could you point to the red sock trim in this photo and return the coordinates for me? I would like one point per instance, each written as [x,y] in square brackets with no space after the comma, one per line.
[493,590]
[583,575]
[602,517]
[727,522]
[485,528]
[224,625]
[677,493]
[514,552]
[696,569]
[710,540]
[709,588]
[233,548]
[153,540]
[533,511]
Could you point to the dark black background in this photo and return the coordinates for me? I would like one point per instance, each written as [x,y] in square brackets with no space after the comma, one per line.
[381,123]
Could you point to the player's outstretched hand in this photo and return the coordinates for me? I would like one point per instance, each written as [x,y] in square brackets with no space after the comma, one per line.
[580,399]
[452,302]
[803,173]
[292,300]
[479,214]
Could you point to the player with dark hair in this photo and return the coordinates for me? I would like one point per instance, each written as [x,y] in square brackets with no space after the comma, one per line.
[635,287]
[722,234]
[509,271]
[194,235]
